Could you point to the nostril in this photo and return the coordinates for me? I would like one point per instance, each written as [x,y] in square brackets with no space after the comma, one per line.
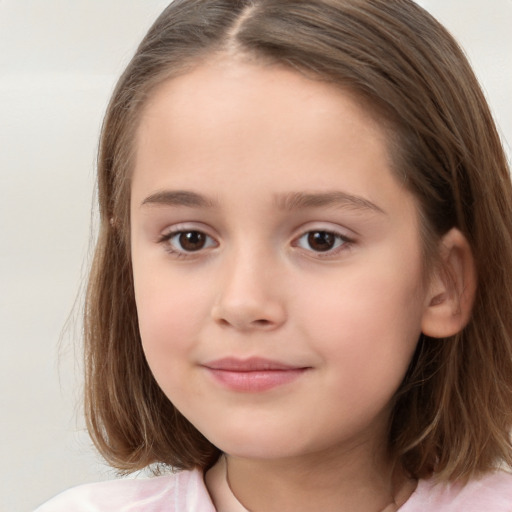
[261,322]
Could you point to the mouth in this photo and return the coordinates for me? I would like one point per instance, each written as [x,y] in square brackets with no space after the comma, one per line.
[254,374]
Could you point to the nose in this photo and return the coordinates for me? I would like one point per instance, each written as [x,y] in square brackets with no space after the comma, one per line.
[250,297]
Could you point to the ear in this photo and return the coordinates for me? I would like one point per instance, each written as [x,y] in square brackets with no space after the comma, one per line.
[451,289]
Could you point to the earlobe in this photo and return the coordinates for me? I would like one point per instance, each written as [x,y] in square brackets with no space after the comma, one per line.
[451,289]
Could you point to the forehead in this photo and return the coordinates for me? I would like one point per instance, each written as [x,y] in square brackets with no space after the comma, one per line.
[210,91]
[264,110]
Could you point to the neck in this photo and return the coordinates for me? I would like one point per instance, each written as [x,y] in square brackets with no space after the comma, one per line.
[346,481]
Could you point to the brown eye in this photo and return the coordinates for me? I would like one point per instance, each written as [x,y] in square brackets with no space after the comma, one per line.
[184,242]
[192,240]
[321,241]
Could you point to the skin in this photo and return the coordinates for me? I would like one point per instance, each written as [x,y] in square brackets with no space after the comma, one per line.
[251,145]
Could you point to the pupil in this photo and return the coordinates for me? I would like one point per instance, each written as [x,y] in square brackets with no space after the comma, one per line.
[192,240]
[321,240]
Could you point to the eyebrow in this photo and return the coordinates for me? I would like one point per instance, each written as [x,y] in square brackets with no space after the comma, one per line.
[179,198]
[290,202]
[301,200]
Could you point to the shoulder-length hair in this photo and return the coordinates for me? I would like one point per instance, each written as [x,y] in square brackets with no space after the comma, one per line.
[453,411]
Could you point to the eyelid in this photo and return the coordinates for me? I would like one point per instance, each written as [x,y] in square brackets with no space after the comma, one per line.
[185,226]
[329,227]
[169,233]
[347,236]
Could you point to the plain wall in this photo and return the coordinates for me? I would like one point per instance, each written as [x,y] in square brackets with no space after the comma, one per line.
[59,60]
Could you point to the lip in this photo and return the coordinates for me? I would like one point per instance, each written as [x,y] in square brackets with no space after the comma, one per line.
[254,374]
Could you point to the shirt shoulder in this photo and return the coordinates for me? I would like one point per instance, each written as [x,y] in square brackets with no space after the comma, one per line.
[492,491]
[180,492]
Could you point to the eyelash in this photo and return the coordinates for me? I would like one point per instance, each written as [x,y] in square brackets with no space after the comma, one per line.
[342,242]
[166,241]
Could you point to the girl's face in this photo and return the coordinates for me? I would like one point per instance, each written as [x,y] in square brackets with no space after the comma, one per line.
[276,258]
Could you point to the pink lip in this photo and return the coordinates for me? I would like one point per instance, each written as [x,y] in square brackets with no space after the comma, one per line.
[254,374]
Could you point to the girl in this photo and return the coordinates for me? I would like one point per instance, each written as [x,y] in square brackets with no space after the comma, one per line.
[301,295]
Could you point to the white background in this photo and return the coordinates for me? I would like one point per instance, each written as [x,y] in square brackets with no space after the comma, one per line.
[59,60]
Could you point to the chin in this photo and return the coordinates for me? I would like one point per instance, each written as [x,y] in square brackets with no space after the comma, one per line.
[260,445]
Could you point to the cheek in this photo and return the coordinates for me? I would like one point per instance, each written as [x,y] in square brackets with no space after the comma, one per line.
[368,325]
[170,313]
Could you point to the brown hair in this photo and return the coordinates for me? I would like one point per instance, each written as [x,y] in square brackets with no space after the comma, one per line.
[453,412]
